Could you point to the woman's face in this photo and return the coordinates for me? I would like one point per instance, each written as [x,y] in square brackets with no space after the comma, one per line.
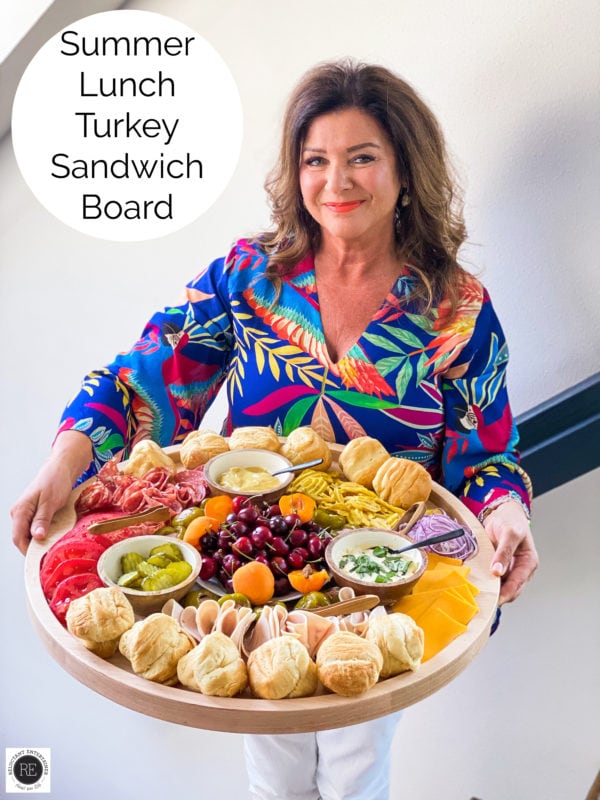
[348,176]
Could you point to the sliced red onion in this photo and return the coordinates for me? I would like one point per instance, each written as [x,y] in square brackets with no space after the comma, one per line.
[462,547]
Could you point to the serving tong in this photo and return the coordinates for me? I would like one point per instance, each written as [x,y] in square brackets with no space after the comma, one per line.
[362,602]
[157,514]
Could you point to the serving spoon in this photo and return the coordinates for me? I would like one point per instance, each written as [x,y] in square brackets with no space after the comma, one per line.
[441,537]
[297,467]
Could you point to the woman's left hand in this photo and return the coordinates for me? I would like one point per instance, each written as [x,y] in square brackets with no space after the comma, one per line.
[516,558]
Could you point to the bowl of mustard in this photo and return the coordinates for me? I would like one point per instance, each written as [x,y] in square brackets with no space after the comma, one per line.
[248,472]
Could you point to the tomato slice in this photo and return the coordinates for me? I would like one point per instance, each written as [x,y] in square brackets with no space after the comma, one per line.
[64,550]
[72,566]
[71,588]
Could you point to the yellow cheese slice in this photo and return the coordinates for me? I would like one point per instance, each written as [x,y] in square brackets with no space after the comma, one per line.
[439,629]
[434,558]
[452,604]
[465,593]
[412,605]
[443,577]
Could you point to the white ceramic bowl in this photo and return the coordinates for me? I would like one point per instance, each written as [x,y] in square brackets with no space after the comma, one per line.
[250,457]
[362,538]
[109,570]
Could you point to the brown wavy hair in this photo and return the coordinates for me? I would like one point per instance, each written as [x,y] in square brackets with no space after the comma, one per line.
[429,230]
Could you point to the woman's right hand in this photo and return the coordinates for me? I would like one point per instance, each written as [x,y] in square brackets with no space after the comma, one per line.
[50,489]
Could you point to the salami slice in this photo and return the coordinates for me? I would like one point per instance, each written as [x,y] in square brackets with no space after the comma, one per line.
[94,497]
[160,477]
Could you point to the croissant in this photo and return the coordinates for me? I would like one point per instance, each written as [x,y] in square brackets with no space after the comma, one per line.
[200,446]
[154,646]
[263,438]
[361,458]
[282,667]
[400,640]
[402,482]
[214,667]
[305,444]
[348,664]
[145,456]
[99,618]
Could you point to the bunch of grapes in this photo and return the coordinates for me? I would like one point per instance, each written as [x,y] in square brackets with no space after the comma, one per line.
[257,531]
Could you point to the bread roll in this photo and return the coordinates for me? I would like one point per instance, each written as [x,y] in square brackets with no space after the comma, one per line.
[145,456]
[305,444]
[214,667]
[262,438]
[348,664]
[200,446]
[99,618]
[154,646]
[361,458]
[402,482]
[400,640]
[282,667]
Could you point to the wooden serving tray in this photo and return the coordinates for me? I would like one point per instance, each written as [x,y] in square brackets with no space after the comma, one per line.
[114,679]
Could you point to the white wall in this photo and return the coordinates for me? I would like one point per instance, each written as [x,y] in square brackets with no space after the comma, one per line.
[515,86]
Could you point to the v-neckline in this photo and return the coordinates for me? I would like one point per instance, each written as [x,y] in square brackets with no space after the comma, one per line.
[391,293]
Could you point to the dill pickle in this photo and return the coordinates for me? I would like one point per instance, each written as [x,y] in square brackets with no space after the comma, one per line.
[169,549]
[129,579]
[179,570]
[166,530]
[313,600]
[196,596]
[237,597]
[130,561]
[159,560]
[160,580]
[326,519]
[186,516]
[146,569]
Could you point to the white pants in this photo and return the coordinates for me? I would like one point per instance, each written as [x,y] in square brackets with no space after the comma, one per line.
[351,763]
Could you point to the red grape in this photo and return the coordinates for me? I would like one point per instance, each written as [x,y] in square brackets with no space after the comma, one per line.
[282,586]
[278,565]
[315,546]
[230,563]
[260,536]
[296,559]
[243,545]
[298,537]
[239,528]
[248,514]
[224,540]
[278,525]
[239,502]
[279,546]
[208,569]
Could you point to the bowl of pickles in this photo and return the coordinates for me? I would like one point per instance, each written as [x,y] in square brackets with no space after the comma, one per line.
[150,570]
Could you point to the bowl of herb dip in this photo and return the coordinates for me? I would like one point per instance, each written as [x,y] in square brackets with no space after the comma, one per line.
[365,559]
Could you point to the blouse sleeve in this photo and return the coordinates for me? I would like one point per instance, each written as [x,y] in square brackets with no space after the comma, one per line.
[161,387]
[480,459]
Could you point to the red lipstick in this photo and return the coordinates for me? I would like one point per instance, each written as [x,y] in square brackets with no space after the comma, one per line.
[342,208]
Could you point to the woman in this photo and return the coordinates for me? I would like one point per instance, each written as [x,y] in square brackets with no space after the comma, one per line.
[353,315]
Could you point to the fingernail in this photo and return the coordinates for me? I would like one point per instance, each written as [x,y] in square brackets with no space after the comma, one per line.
[38,531]
[498,569]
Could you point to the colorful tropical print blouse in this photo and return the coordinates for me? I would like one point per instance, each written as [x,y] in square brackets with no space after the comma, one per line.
[429,391]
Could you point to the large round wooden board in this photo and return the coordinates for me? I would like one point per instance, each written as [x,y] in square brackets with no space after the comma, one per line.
[115,680]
